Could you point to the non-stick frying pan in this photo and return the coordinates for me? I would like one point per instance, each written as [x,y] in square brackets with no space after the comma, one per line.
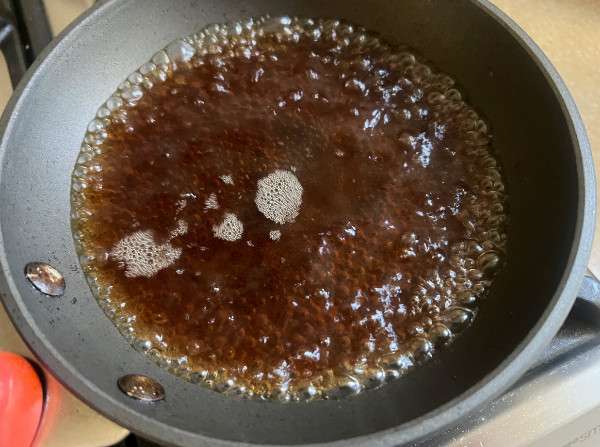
[537,133]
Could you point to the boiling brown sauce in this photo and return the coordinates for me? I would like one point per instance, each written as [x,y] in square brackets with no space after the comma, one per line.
[400,222]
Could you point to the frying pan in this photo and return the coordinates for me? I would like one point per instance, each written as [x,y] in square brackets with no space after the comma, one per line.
[538,136]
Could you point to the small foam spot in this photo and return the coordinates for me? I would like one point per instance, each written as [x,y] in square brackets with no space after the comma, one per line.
[141,255]
[180,229]
[181,204]
[231,229]
[227,179]
[275,235]
[279,196]
[211,203]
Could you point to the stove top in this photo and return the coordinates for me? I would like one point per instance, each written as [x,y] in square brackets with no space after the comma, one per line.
[555,404]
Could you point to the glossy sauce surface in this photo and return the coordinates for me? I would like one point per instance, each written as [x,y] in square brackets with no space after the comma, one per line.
[397,222]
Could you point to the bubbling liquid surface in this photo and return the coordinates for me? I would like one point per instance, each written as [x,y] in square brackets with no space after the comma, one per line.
[288,208]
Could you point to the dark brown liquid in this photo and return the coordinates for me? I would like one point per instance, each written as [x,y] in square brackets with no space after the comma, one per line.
[385,176]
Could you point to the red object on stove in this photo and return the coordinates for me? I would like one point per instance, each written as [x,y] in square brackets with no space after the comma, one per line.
[21,401]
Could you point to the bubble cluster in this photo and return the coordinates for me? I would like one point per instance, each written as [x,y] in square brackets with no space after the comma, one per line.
[279,196]
[382,176]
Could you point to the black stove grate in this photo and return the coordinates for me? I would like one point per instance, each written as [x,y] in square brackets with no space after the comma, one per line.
[24,33]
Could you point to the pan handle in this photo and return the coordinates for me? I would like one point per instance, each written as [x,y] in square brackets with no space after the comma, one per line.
[587,305]
[10,45]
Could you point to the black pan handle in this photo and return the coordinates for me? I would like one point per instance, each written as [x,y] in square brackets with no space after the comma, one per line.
[10,44]
[587,305]
[581,327]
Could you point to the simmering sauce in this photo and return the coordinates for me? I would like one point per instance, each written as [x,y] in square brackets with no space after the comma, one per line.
[288,208]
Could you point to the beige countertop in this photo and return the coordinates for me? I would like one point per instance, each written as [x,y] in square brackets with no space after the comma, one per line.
[567,30]
[569,33]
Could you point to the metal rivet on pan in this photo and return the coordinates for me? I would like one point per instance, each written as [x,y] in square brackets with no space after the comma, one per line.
[141,388]
[45,278]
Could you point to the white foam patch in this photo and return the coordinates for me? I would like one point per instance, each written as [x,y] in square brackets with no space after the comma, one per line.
[231,229]
[279,196]
[275,235]
[211,203]
[227,179]
[141,255]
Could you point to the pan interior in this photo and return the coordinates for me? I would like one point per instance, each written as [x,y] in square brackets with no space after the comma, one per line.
[392,226]
[41,143]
